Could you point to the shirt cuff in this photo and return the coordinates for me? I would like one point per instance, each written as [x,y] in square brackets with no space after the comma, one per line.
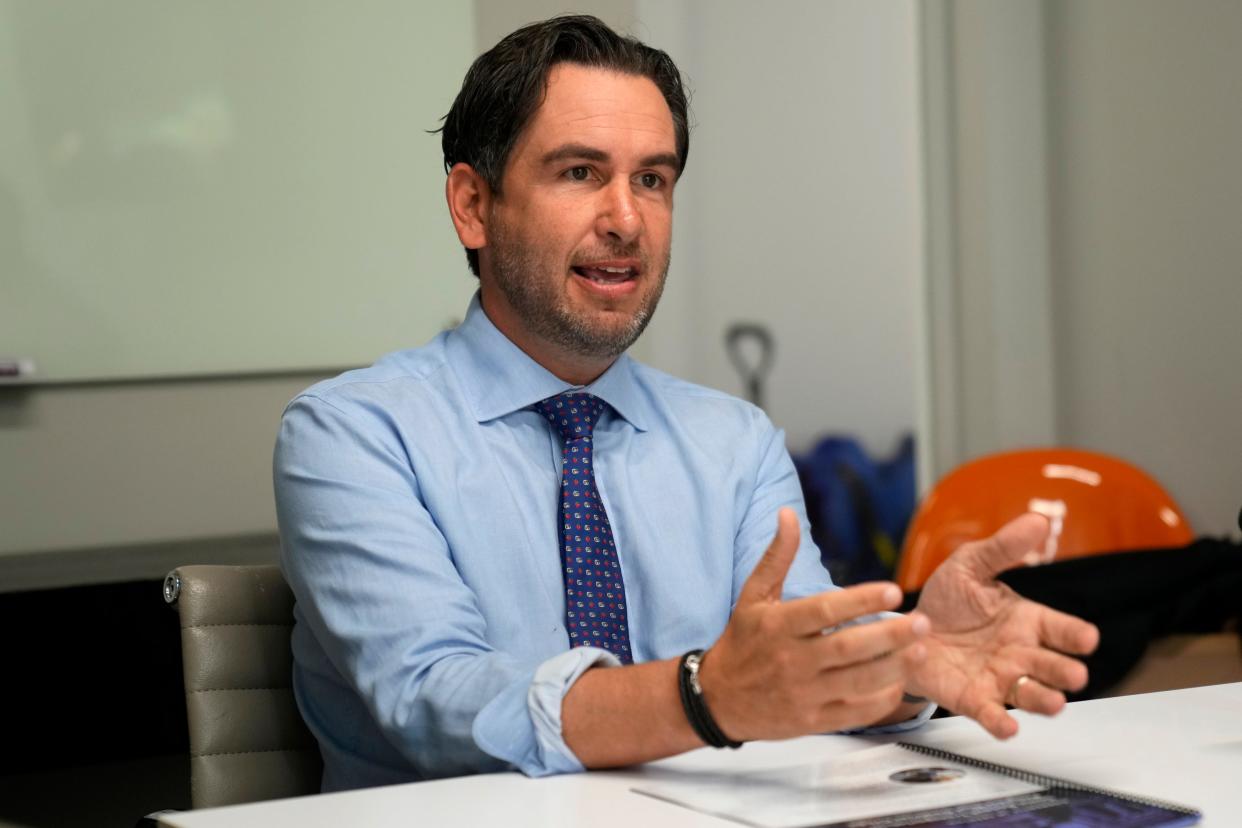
[523,724]
[901,727]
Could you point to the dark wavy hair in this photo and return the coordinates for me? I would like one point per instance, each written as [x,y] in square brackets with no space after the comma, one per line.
[507,83]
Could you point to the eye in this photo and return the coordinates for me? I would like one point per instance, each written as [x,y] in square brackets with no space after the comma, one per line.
[579,174]
[651,181]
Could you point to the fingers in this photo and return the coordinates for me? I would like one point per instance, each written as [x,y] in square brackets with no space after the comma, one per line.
[768,578]
[816,613]
[866,642]
[988,710]
[995,720]
[862,659]
[1067,633]
[1008,548]
[1035,697]
[774,673]
[858,712]
[1037,690]
[1055,670]
[865,678]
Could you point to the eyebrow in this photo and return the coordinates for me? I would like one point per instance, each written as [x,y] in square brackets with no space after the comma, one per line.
[567,152]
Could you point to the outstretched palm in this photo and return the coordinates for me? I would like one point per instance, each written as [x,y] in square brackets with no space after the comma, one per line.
[985,637]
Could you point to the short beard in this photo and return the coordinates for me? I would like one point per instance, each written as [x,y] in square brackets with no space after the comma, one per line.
[546,311]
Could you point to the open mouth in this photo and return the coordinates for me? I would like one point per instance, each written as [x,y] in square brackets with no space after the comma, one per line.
[606,274]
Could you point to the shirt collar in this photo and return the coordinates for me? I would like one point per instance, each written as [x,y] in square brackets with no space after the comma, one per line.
[499,377]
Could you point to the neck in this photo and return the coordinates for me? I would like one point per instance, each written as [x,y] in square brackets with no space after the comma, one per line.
[572,369]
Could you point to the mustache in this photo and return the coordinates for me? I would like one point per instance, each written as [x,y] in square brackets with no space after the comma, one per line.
[615,251]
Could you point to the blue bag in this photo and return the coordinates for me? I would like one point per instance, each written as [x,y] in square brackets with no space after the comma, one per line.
[859,507]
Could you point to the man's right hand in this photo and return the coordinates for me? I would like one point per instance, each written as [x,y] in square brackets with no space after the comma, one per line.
[782,669]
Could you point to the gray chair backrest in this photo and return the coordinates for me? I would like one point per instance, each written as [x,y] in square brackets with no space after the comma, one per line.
[247,740]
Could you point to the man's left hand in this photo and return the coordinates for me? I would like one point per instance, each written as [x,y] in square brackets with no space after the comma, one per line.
[989,646]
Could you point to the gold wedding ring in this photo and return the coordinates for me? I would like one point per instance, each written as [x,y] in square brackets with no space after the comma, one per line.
[1012,698]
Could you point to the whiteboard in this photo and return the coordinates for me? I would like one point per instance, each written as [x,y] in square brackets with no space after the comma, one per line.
[224,187]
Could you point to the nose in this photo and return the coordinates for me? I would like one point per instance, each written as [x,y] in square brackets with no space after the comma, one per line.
[618,216]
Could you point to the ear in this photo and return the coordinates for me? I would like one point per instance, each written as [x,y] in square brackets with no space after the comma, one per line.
[468,199]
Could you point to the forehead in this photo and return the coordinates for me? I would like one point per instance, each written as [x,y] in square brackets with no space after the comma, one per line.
[601,108]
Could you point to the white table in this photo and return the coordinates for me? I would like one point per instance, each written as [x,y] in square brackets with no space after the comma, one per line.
[1184,746]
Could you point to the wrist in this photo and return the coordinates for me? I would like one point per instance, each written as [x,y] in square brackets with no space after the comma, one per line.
[695,704]
[714,684]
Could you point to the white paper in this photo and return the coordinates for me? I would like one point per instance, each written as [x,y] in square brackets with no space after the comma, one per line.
[854,786]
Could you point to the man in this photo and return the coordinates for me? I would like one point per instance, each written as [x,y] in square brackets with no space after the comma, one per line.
[510,546]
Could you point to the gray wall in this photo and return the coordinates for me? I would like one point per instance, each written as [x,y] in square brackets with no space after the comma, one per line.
[190,193]
[116,480]
[132,471]
[98,465]
[801,207]
[1147,196]
[1084,277]
[493,19]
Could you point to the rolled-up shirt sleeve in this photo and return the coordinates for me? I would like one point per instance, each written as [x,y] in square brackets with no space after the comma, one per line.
[391,616]
[523,724]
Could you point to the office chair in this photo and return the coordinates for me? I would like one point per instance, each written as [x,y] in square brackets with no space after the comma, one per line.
[1095,504]
[247,740]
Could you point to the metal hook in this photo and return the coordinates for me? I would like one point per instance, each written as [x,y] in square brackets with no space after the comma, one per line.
[752,375]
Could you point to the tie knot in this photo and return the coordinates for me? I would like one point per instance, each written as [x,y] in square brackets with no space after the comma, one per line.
[574,413]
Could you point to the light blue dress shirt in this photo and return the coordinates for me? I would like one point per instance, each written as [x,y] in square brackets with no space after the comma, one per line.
[417,503]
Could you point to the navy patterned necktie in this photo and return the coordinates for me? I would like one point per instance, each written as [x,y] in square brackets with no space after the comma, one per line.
[594,591]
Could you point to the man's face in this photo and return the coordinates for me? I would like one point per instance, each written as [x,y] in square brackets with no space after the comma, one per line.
[578,242]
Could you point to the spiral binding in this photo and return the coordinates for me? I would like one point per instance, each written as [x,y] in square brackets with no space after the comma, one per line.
[1052,783]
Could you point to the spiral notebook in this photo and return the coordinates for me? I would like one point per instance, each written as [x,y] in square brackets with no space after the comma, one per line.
[904,785]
